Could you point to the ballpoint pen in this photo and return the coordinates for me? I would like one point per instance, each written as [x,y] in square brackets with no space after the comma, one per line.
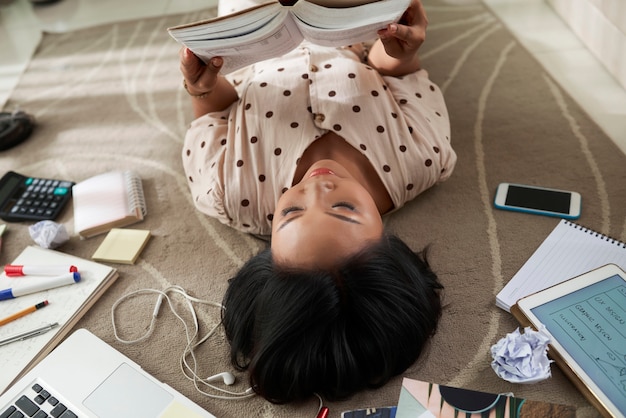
[28,334]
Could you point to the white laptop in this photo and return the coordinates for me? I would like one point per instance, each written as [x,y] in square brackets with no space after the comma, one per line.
[86,377]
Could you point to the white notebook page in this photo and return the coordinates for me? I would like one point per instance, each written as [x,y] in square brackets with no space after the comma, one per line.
[569,251]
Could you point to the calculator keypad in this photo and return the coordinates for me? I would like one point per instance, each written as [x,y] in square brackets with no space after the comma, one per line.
[38,199]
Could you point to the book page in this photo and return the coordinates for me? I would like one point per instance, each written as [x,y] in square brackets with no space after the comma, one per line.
[242,38]
[65,303]
[344,26]
[349,18]
[230,26]
[341,3]
[271,41]
[569,251]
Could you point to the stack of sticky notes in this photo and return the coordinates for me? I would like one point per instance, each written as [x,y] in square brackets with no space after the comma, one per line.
[122,246]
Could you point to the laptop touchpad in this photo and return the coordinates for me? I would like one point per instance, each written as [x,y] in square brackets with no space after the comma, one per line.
[128,393]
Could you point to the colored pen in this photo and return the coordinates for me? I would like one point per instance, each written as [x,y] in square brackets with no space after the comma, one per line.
[26,287]
[23,312]
[29,334]
[20,270]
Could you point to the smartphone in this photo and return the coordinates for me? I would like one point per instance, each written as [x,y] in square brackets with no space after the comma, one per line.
[538,200]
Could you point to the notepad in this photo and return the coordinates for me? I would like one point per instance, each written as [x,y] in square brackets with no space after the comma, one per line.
[122,245]
[67,304]
[569,251]
[109,200]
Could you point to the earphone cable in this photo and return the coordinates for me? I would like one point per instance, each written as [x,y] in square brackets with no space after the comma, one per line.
[190,371]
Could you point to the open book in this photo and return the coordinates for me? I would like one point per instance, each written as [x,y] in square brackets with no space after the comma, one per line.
[272,29]
[67,304]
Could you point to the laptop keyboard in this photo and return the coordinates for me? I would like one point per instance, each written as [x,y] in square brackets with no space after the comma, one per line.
[37,402]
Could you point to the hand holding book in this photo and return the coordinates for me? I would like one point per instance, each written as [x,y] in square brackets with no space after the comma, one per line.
[397,52]
[211,92]
[272,29]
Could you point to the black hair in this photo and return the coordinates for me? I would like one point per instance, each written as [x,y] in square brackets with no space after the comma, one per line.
[300,332]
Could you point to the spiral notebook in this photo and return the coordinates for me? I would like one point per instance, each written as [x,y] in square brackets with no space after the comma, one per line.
[569,251]
[110,200]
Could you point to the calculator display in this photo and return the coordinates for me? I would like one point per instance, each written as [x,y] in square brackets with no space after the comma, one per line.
[25,198]
[8,187]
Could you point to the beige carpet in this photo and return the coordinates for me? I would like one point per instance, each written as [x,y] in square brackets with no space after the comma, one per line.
[111,98]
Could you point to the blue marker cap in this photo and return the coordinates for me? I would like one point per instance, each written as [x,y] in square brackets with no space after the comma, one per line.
[6,294]
[76,276]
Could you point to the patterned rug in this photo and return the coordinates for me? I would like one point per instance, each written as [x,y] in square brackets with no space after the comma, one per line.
[110,97]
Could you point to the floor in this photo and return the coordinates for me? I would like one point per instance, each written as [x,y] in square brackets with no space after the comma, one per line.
[533,22]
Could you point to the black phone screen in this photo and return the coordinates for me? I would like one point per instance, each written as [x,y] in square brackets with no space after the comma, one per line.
[547,200]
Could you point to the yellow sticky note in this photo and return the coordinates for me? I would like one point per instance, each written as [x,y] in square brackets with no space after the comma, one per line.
[122,245]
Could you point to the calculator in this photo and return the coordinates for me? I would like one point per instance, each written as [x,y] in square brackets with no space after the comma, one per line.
[24,198]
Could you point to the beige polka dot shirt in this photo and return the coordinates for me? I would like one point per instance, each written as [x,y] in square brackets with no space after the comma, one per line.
[238,162]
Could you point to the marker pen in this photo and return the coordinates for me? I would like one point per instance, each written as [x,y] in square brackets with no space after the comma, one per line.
[56,270]
[323,412]
[39,285]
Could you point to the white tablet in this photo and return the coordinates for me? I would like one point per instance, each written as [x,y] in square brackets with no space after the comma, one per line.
[586,320]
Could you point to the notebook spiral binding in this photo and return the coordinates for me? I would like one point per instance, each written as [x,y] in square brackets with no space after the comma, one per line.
[605,237]
[136,196]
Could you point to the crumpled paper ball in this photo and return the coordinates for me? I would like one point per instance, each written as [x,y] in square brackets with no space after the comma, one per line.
[522,358]
[48,234]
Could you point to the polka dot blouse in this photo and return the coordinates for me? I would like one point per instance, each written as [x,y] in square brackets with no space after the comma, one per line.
[238,162]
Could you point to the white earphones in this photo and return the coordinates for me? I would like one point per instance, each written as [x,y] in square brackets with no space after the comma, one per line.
[193,340]
[225,377]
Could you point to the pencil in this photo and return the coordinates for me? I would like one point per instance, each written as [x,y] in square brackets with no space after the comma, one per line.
[22,313]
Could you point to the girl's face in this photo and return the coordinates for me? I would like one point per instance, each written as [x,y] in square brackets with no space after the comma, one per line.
[325,218]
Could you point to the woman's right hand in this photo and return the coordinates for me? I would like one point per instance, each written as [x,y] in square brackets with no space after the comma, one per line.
[200,78]
[395,52]
[403,39]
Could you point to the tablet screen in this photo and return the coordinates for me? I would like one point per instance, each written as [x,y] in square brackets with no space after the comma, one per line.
[590,324]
